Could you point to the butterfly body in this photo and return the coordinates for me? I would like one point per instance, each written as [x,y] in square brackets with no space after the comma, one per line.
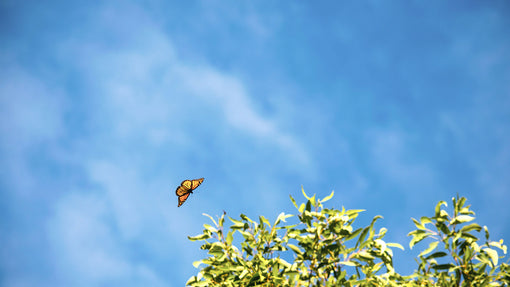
[186,188]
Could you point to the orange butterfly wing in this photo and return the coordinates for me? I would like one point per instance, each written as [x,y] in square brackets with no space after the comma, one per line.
[186,188]
[196,182]
[182,199]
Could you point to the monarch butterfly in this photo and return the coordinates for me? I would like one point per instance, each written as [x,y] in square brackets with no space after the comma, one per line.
[186,188]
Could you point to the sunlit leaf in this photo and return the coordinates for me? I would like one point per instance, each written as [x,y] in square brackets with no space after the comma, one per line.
[418,224]
[486,232]
[295,248]
[493,254]
[328,197]
[210,228]
[313,201]
[425,220]
[431,247]
[396,245]
[438,207]
[382,245]
[293,201]
[230,237]
[470,227]
[462,219]
[205,214]
[197,263]
[365,255]
[304,193]
[199,237]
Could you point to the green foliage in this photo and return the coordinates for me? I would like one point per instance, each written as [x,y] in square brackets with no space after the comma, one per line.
[455,256]
[327,250]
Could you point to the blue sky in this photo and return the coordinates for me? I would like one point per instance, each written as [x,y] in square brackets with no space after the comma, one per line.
[106,107]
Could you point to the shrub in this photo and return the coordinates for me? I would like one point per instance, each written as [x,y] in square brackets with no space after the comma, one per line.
[327,250]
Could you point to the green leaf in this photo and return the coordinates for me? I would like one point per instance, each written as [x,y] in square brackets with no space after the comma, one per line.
[263,220]
[365,255]
[199,237]
[472,226]
[205,214]
[328,197]
[425,220]
[304,193]
[313,201]
[354,211]
[462,219]
[247,235]
[210,228]
[193,279]
[418,235]
[349,263]
[216,250]
[431,247]
[499,244]
[238,224]
[443,214]
[308,206]
[353,234]
[381,244]
[293,201]
[230,237]
[486,232]
[469,237]
[284,263]
[244,273]
[222,219]
[438,207]
[295,248]
[462,201]
[362,235]
[436,255]
[418,224]
[441,226]
[197,263]
[493,254]
[396,245]
[282,217]
[443,266]
[246,218]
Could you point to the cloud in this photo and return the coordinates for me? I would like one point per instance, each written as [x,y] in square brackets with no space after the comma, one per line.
[31,115]
[87,249]
[390,150]
[29,109]
[144,100]
[144,87]
[237,108]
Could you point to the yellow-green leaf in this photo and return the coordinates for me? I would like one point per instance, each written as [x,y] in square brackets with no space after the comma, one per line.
[197,263]
[205,214]
[328,197]
[295,248]
[462,219]
[431,247]
[395,245]
[493,254]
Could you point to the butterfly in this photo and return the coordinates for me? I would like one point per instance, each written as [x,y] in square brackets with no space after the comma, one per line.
[186,188]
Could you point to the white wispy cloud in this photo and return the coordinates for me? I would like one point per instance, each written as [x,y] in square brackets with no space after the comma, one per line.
[229,95]
[390,149]
[87,249]
[139,96]
[31,114]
